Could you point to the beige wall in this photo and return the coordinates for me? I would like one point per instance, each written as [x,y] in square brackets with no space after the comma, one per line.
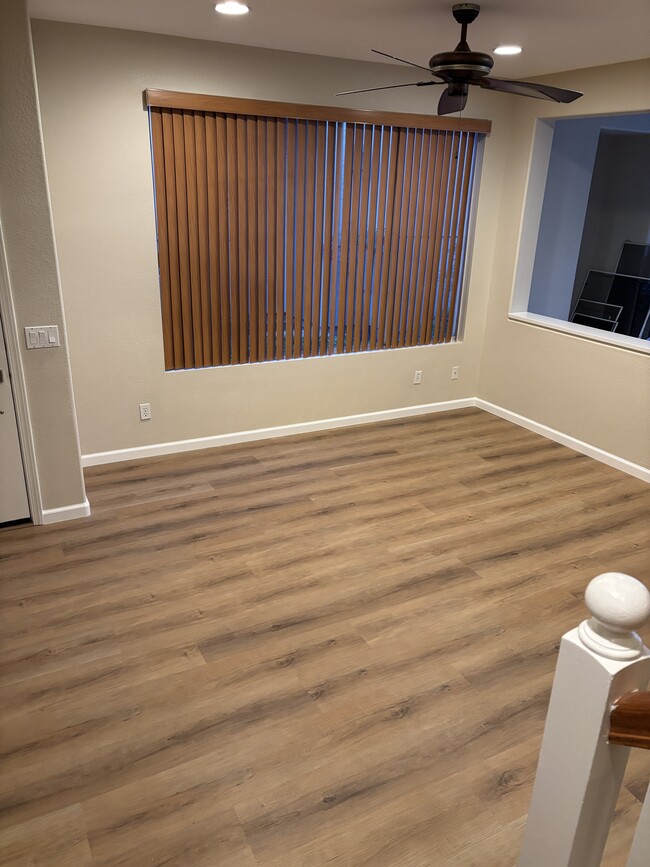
[596,393]
[96,139]
[31,259]
[97,145]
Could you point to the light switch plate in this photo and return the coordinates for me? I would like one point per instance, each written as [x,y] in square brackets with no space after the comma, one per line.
[42,336]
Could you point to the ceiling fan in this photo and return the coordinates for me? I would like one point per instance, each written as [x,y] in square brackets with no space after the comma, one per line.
[461,67]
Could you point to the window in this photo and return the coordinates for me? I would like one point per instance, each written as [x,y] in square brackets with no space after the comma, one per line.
[584,257]
[294,231]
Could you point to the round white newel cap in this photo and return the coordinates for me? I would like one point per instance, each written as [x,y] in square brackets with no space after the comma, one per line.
[618,605]
[618,601]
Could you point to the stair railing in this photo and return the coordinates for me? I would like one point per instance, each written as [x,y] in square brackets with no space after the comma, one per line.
[597,712]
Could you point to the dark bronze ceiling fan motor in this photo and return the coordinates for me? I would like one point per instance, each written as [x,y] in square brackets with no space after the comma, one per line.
[462,64]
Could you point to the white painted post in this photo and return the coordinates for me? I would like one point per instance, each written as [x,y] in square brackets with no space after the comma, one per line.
[579,774]
[640,851]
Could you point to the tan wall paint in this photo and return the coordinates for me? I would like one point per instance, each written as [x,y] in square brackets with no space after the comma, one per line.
[97,145]
[96,139]
[596,393]
[31,258]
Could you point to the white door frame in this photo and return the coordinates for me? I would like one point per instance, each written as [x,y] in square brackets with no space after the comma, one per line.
[19,386]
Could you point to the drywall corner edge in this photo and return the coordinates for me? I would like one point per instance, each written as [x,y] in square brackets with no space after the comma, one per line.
[531,214]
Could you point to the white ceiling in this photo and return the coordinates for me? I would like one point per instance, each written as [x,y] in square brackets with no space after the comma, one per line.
[556,34]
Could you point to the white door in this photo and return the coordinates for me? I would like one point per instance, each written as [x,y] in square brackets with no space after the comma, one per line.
[13,493]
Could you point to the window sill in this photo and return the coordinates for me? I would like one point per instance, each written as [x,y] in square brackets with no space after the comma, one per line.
[622,341]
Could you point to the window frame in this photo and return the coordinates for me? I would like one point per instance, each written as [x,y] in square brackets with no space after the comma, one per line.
[535,189]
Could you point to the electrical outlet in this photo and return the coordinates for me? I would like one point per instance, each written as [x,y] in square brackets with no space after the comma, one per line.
[145,411]
[455,371]
[417,377]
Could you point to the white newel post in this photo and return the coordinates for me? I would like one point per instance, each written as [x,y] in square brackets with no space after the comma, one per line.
[579,774]
[640,851]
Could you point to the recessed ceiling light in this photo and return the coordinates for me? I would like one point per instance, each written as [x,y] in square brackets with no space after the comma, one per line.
[508,49]
[232,7]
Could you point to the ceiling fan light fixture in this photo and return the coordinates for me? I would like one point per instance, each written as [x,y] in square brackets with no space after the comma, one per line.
[232,7]
[508,49]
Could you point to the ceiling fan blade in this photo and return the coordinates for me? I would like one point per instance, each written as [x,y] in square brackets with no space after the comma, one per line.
[389,87]
[450,103]
[401,60]
[529,88]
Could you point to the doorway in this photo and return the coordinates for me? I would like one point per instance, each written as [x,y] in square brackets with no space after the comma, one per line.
[14,505]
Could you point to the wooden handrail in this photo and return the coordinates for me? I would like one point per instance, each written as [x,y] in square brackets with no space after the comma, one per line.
[629,721]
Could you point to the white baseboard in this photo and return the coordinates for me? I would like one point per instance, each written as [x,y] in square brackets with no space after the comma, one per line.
[66,513]
[557,436]
[169,448]
[271,432]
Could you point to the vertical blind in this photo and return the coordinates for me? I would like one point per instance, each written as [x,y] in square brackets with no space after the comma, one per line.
[286,237]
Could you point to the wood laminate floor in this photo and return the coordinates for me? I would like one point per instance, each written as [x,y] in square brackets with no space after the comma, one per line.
[334,649]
